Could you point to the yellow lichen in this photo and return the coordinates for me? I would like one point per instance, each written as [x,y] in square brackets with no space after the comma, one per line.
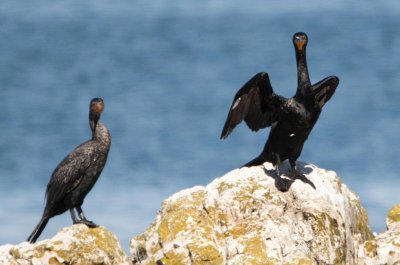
[203,254]
[304,261]
[272,261]
[238,230]
[370,248]
[394,214]
[54,261]
[191,219]
[395,244]
[58,242]
[339,184]
[268,197]
[223,186]
[14,252]
[40,249]
[362,226]
[175,222]
[300,261]
[255,250]
[198,197]
[89,242]
[211,212]
[328,232]
[174,257]
[222,218]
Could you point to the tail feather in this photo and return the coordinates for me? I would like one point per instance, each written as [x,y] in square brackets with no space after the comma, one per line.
[38,230]
[256,161]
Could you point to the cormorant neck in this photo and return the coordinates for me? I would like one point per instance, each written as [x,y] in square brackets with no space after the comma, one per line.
[303,79]
[92,121]
[101,134]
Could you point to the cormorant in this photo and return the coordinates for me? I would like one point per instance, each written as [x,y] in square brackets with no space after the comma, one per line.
[76,175]
[291,120]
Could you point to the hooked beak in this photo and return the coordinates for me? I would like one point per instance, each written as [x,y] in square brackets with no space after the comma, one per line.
[94,120]
[96,107]
[299,42]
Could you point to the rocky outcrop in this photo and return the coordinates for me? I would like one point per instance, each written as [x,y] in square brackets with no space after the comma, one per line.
[385,248]
[249,216]
[245,218]
[76,244]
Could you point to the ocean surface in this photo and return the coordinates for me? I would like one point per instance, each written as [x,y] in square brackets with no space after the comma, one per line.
[168,71]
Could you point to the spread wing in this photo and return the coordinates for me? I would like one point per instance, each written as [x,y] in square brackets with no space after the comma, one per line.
[255,103]
[69,173]
[324,89]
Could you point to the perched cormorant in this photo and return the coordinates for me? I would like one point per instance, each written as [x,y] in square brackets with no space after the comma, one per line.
[76,175]
[291,120]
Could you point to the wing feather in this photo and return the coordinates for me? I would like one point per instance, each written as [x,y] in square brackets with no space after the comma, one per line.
[324,89]
[69,173]
[255,103]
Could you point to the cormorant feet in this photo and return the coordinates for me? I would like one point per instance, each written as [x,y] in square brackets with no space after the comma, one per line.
[282,184]
[86,222]
[296,175]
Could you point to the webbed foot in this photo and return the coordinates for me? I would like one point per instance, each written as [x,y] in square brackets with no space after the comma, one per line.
[294,174]
[86,222]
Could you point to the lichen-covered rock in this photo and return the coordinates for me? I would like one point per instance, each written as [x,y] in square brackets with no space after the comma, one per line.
[393,218]
[243,218]
[385,248]
[76,244]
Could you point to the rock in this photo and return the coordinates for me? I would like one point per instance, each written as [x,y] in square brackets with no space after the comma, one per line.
[385,248]
[243,218]
[76,244]
[393,218]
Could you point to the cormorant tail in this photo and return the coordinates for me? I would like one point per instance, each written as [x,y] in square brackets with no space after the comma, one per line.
[259,160]
[38,230]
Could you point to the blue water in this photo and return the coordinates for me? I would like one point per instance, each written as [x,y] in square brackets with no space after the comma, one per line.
[167,71]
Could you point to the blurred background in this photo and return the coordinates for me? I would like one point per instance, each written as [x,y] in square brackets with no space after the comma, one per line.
[168,71]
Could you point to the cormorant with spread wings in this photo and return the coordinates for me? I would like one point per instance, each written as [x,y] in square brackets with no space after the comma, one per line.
[291,120]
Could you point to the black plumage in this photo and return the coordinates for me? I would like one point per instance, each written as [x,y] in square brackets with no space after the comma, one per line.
[77,173]
[291,120]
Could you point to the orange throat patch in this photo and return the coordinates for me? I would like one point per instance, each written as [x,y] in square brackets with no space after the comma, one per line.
[98,108]
[300,45]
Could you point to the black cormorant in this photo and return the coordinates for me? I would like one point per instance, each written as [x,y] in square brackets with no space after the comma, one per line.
[76,175]
[291,120]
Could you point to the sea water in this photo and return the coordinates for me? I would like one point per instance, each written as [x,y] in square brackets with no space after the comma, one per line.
[168,71]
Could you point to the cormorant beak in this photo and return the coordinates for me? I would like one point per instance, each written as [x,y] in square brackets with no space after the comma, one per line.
[96,107]
[300,41]
[93,122]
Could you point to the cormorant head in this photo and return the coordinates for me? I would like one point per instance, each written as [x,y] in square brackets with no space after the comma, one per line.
[300,40]
[95,108]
